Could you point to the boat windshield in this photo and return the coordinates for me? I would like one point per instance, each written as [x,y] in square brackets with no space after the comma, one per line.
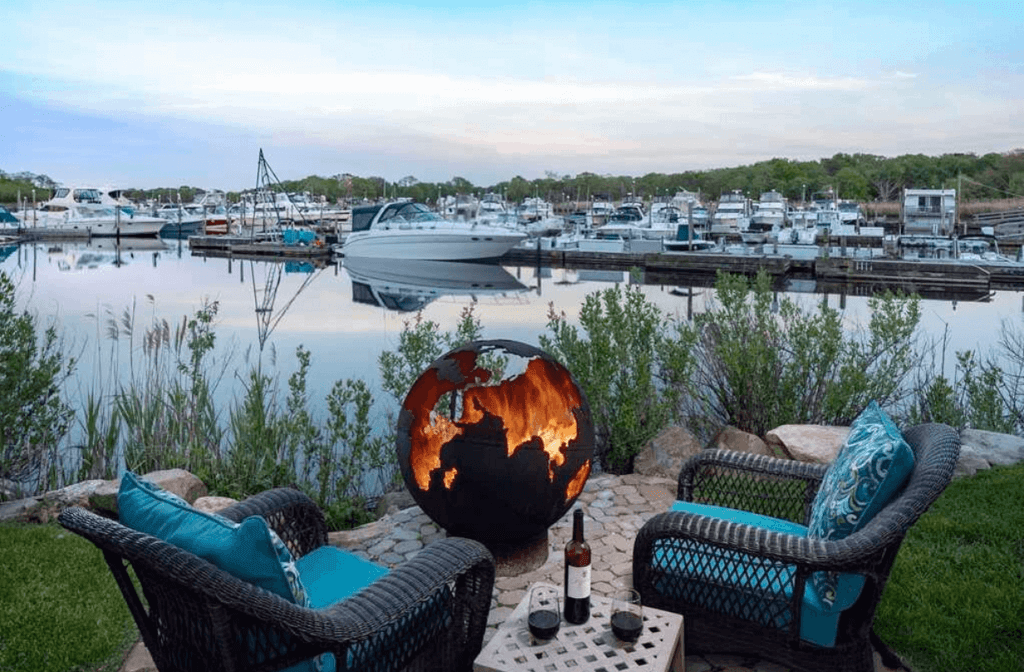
[87,195]
[410,213]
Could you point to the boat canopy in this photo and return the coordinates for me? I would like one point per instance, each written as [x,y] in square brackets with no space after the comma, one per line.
[363,215]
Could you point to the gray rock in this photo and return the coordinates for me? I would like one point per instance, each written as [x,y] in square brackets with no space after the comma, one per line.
[77,494]
[970,462]
[732,438]
[818,444]
[405,547]
[405,534]
[666,452]
[393,502]
[180,482]
[19,509]
[104,498]
[1001,449]
[211,504]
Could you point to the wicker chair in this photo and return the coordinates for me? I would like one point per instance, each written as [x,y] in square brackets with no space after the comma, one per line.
[429,613]
[764,620]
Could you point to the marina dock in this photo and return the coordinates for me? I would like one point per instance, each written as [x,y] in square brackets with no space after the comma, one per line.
[253,248]
[926,276]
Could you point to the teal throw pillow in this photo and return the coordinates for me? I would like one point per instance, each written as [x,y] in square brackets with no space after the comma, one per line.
[249,550]
[871,467]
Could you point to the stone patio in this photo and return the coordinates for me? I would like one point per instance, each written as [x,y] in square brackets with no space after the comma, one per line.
[615,508]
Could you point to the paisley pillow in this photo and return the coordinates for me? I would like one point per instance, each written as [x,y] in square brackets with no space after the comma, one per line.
[870,468]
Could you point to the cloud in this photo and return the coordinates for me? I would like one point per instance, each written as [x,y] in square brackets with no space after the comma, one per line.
[779,81]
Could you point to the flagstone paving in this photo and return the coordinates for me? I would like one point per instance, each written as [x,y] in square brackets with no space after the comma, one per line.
[615,507]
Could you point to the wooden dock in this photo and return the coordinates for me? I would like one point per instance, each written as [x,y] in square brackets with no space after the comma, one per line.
[249,248]
[926,277]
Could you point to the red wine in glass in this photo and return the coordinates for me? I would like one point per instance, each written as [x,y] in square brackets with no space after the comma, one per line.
[627,626]
[544,623]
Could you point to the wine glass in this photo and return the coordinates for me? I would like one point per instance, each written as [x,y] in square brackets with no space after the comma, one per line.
[627,617]
[544,615]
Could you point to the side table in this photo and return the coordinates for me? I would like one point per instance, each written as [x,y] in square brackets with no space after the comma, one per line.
[589,647]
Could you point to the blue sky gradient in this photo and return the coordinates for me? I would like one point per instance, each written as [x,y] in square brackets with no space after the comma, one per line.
[166,94]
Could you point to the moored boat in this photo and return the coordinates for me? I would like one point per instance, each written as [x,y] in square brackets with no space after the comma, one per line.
[85,210]
[410,230]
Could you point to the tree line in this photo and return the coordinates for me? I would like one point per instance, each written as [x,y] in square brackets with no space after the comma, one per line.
[860,177]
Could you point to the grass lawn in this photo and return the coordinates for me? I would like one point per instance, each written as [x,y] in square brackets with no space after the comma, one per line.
[60,609]
[955,599]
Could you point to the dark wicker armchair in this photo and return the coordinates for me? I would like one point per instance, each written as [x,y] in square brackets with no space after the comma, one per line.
[753,614]
[429,613]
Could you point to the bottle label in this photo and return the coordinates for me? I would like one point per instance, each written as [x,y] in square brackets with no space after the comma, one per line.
[578,584]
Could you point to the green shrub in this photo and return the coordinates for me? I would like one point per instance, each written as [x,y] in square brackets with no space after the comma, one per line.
[34,418]
[630,372]
[764,361]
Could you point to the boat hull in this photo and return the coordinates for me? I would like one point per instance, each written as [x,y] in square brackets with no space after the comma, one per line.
[431,244]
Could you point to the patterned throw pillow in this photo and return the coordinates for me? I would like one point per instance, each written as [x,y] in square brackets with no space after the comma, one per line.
[870,468]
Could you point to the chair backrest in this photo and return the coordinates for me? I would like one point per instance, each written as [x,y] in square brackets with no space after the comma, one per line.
[936,451]
[191,606]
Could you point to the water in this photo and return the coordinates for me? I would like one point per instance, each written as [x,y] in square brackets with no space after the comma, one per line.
[345,325]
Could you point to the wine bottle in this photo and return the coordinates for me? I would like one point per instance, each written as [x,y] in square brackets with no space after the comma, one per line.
[577,573]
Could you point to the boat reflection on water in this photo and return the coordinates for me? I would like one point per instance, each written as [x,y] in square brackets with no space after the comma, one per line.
[80,255]
[412,284]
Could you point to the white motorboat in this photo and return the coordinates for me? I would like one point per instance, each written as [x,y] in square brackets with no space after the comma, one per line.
[181,221]
[409,230]
[414,283]
[85,210]
[769,212]
[732,215]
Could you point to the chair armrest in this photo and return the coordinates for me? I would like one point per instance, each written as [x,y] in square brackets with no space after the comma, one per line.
[757,483]
[296,518]
[856,553]
[466,562]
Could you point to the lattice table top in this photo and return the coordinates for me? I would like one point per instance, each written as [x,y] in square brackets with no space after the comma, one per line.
[589,647]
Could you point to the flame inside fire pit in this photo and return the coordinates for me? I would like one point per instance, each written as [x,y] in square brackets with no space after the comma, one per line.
[497,459]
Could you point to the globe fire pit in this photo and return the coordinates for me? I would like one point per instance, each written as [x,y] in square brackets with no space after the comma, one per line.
[495,442]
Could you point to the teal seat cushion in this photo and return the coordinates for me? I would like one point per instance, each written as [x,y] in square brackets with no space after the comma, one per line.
[249,550]
[746,586]
[331,575]
[870,468]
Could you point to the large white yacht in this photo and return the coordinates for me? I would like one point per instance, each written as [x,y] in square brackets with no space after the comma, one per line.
[732,215]
[86,210]
[409,230]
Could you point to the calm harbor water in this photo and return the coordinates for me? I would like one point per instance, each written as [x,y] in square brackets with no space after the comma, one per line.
[346,323]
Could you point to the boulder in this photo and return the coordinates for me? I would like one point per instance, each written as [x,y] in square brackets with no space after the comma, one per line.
[731,438]
[182,483]
[818,444]
[212,504]
[19,509]
[42,508]
[104,499]
[393,502]
[664,455]
[1001,449]
[971,462]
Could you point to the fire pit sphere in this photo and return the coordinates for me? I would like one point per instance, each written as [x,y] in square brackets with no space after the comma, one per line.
[495,456]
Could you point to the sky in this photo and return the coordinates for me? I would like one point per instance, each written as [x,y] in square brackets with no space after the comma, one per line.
[146,95]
